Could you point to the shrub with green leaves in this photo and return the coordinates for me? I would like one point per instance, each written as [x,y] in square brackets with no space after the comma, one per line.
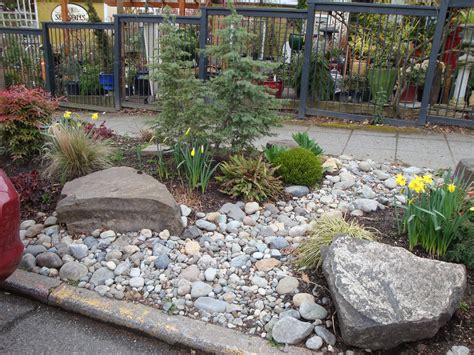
[303,140]
[71,152]
[299,166]
[322,233]
[250,179]
[23,114]
[462,249]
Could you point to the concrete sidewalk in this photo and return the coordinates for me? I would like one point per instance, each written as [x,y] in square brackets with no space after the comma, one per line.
[417,147]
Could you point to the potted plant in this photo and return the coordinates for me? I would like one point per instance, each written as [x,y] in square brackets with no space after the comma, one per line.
[360,51]
[321,83]
[296,39]
[355,89]
[274,81]
[412,79]
[382,76]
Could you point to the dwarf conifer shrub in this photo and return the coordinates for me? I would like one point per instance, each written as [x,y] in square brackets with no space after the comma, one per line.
[299,166]
[250,179]
[243,109]
[183,99]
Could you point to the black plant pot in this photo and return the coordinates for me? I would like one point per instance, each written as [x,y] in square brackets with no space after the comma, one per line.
[73,87]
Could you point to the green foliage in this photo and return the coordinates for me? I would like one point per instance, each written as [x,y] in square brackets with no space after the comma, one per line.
[273,151]
[434,213]
[198,165]
[243,110]
[299,166]
[321,234]
[182,97]
[250,179]
[72,152]
[303,140]
[89,80]
[321,84]
[462,249]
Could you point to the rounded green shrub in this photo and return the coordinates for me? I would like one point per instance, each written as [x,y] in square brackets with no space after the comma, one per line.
[299,166]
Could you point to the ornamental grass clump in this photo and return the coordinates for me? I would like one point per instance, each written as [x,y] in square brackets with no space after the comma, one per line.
[434,212]
[250,179]
[71,152]
[322,233]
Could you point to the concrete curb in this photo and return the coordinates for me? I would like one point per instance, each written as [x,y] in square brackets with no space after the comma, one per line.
[177,330]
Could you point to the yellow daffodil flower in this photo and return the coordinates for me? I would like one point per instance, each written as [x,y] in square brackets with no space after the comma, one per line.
[193,152]
[417,185]
[67,114]
[428,179]
[451,187]
[471,209]
[202,149]
[187,132]
[400,180]
[95,116]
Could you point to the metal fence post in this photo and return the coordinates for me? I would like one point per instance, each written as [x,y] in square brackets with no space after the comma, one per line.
[48,59]
[117,61]
[308,48]
[438,36]
[202,44]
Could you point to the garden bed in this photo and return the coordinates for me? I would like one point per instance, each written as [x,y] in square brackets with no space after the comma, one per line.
[241,291]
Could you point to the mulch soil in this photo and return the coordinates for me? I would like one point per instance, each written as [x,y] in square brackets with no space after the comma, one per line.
[458,331]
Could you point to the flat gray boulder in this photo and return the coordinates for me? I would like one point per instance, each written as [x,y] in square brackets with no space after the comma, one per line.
[120,199]
[385,295]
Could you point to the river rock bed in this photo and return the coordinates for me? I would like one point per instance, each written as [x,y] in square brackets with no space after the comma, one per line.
[232,267]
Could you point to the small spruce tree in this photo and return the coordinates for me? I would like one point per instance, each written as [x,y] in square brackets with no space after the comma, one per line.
[244,110]
[181,96]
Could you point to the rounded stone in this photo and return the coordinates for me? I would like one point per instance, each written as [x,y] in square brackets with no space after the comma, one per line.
[314,343]
[49,259]
[200,289]
[73,271]
[312,311]
[192,247]
[287,285]
[137,282]
[301,298]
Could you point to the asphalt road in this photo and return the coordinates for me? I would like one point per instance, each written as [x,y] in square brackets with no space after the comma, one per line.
[28,327]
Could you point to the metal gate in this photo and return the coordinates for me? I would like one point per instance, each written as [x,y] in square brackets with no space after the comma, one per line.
[80,64]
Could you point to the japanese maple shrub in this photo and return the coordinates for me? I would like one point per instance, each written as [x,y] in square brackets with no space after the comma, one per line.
[243,109]
[23,114]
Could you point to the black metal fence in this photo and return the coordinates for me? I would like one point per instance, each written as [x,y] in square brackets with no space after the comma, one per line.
[398,64]
[21,57]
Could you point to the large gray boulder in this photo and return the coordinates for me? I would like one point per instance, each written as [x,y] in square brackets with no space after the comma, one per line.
[385,295]
[121,199]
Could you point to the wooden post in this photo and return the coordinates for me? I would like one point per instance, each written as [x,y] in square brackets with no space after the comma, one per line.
[182,7]
[64,11]
[65,18]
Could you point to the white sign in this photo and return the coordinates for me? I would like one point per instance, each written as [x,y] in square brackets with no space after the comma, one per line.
[76,13]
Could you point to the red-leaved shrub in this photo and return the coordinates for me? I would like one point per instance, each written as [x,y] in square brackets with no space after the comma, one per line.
[23,112]
[101,131]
